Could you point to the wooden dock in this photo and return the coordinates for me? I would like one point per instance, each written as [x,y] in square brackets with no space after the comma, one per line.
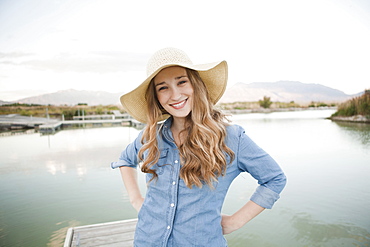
[54,127]
[112,234]
[18,122]
[51,126]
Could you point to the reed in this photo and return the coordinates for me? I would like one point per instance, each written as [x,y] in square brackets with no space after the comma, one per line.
[355,106]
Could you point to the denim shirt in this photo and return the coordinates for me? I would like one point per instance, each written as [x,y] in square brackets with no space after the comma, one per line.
[173,214]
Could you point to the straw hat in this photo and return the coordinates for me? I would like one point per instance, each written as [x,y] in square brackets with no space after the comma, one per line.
[214,75]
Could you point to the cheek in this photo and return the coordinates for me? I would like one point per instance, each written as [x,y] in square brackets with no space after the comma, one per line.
[189,91]
[162,99]
[190,94]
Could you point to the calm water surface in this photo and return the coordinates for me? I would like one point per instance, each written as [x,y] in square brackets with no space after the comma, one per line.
[51,183]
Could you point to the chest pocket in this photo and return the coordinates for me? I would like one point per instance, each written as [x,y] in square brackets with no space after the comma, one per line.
[159,167]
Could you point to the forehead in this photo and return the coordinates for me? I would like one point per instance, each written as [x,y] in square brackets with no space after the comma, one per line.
[170,73]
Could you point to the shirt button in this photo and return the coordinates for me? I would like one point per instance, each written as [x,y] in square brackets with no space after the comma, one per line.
[173,183]
[168,227]
[172,204]
[176,161]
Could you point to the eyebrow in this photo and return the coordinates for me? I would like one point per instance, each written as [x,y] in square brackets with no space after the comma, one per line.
[179,77]
[176,78]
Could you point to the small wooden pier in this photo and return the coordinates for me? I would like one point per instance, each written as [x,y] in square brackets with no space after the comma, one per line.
[18,122]
[51,126]
[112,234]
[54,127]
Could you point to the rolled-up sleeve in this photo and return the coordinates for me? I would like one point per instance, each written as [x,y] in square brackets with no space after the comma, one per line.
[129,156]
[254,160]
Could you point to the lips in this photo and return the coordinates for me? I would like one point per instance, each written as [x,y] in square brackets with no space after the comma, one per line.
[179,105]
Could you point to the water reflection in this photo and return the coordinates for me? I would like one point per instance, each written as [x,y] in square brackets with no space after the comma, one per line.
[81,170]
[53,167]
[57,237]
[358,131]
[318,233]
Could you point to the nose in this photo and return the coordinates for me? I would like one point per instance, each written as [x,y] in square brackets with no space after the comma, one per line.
[176,94]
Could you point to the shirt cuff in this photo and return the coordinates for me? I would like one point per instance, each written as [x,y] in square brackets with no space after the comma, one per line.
[265,197]
[120,163]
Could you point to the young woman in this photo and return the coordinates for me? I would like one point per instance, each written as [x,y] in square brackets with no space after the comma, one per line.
[191,158]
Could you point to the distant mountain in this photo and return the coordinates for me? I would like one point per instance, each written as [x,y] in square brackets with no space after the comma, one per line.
[74,97]
[283,91]
[5,102]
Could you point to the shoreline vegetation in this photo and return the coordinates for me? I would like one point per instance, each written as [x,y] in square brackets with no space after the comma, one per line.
[353,110]
[57,111]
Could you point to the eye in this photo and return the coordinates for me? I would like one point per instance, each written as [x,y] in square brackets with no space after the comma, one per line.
[162,88]
[182,82]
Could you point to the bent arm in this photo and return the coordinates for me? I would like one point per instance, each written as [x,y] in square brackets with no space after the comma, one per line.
[271,179]
[233,222]
[129,177]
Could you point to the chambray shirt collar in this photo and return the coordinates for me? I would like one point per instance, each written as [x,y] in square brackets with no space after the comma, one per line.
[165,131]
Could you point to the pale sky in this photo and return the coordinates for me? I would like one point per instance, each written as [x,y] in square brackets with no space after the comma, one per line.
[51,45]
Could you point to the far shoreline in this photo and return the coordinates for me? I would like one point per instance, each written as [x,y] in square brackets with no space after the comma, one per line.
[352,119]
[271,110]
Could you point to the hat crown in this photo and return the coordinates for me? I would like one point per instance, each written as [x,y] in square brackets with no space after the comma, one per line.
[167,56]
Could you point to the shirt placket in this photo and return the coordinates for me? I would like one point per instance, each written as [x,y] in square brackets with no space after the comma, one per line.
[173,189]
[172,204]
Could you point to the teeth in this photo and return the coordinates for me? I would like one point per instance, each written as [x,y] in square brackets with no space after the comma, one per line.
[179,104]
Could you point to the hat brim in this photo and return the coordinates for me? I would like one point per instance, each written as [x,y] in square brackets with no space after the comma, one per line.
[214,76]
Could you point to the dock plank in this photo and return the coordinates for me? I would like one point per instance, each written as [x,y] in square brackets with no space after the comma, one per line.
[111,234]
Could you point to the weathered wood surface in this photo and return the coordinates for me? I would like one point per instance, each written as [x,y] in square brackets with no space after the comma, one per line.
[118,233]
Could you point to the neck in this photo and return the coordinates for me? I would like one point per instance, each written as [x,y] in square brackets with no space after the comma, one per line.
[177,126]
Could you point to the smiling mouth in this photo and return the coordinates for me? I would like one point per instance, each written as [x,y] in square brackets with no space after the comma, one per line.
[179,105]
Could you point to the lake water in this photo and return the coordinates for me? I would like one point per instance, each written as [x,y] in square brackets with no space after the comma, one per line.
[51,183]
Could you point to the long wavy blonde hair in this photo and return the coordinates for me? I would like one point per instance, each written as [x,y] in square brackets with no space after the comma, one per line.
[203,152]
